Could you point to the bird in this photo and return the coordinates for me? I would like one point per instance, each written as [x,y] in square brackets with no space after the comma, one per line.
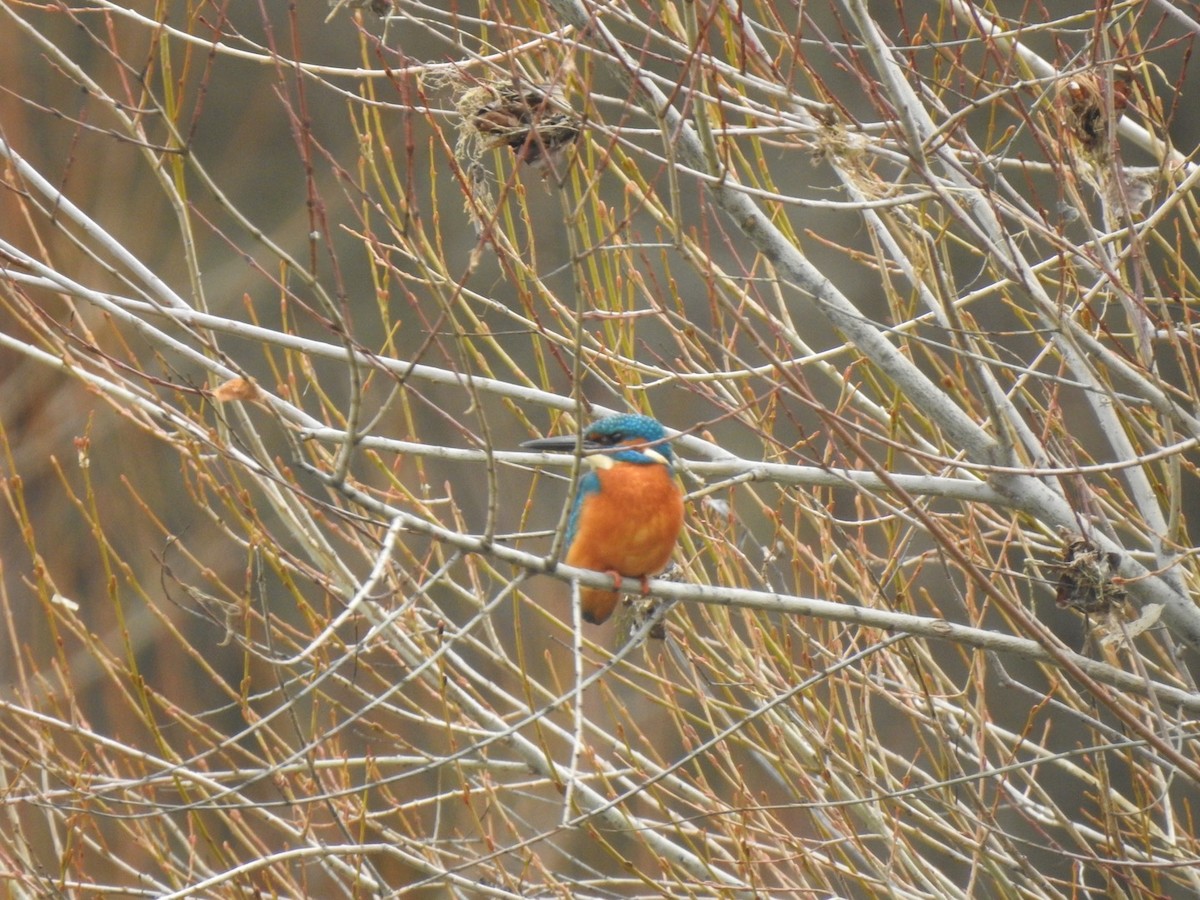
[628,510]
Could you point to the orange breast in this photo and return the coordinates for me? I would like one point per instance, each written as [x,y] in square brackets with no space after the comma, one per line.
[628,526]
[631,524]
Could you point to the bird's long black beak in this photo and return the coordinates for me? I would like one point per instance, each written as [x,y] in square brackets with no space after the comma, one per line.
[563,444]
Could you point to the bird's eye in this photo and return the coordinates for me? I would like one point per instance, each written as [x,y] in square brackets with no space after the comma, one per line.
[608,439]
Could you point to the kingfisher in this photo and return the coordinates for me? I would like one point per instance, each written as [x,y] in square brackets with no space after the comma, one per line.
[628,508]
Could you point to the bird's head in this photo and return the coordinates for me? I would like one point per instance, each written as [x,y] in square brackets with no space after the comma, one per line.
[626,438]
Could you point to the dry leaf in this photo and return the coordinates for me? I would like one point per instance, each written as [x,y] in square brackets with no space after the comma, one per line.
[236,389]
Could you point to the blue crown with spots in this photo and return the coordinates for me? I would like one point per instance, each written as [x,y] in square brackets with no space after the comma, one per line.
[613,431]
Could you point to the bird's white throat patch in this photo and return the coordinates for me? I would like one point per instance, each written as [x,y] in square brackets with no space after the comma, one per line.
[604,461]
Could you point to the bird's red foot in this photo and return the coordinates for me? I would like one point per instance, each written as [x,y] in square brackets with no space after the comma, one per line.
[617,577]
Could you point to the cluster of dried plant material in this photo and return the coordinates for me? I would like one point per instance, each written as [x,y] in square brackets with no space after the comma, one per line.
[849,149]
[379,7]
[1088,114]
[1091,104]
[643,609]
[236,389]
[641,612]
[480,202]
[527,120]
[1089,581]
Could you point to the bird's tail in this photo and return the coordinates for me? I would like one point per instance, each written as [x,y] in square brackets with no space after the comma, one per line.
[597,604]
